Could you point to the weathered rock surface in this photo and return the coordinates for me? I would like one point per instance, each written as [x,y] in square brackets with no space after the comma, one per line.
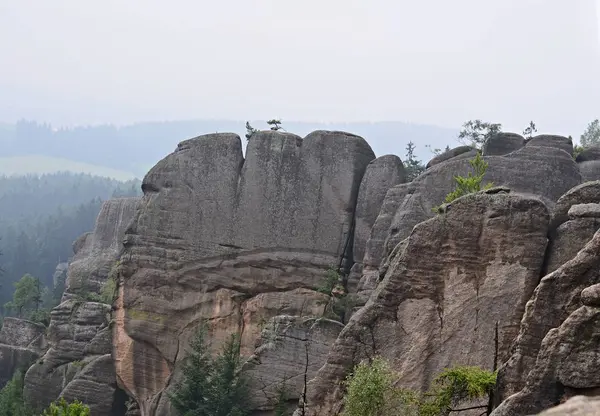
[289,353]
[549,140]
[461,152]
[97,252]
[407,205]
[573,262]
[502,144]
[78,364]
[234,241]
[567,364]
[586,193]
[484,257]
[590,171]
[591,153]
[60,274]
[21,343]
[576,406]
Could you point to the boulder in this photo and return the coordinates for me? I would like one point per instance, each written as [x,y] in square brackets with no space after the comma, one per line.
[502,144]
[555,300]
[21,343]
[585,193]
[460,151]
[234,241]
[484,257]
[584,211]
[590,171]
[554,141]
[576,406]
[586,155]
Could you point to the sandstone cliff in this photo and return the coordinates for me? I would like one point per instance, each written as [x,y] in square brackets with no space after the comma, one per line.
[78,364]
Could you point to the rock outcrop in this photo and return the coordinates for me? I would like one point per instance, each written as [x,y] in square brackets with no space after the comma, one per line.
[234,241]
[576,406]
[502,144]
[21,343]
[484,258]
[78,364]
[573,264]
[460,152]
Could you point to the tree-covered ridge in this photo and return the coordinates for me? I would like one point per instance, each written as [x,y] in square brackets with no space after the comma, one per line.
[40,217]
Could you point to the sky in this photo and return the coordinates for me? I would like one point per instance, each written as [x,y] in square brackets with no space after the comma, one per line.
[440,62]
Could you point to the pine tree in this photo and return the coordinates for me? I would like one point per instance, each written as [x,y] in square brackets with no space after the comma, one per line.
[412,165]
[212,386]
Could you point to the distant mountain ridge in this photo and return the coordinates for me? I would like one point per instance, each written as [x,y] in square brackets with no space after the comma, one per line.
[137,147]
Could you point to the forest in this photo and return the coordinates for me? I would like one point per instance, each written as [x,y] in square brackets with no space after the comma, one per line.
[41,216]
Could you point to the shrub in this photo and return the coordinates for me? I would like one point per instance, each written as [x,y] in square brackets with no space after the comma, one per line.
[11,397]
[63,408]
[471,183]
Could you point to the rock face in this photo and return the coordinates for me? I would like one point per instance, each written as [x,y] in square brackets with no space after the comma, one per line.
[21,343]
[461,152]
[573,265]
[406,205]
[553,141]
[234,241]
[290,352]
[576,406]
[502,144]
[78,364]
[589,154]
[484,258]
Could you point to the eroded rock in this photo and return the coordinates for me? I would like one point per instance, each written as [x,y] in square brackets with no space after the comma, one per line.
[554,141]
[21,343]
[502,144]
[461,152]
[484,257]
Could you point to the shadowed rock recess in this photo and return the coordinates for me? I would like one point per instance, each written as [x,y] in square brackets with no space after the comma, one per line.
[507,278]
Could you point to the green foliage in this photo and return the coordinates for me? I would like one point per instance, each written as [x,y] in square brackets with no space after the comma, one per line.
[577,150]
[275,124]
[280,408]
[591,135]
[212,386]
[11,397]
[471,183]
[332,279]
[413,166]
[249,130]
[108,292]
[63,408]
[27,296]
[371,391]
[529,130]
[476,132]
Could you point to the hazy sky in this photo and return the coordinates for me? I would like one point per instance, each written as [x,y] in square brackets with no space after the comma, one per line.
[430,61]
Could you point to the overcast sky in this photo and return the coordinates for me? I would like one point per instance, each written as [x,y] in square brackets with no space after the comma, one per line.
[430,61]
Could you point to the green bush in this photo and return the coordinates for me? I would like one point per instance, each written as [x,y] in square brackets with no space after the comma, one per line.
[471,183]
[371,391]
[63,408]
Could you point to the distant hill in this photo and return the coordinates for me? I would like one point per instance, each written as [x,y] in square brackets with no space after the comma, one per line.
[131,150]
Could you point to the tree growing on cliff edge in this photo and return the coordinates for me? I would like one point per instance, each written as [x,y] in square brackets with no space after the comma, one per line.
[529,130]
[212,386]
[27,296]
[64,408]
[476,133]
[591,135]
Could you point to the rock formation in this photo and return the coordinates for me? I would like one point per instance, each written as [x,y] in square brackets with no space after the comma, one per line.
[484,257]
[238,242]
[21,343]
[78,364]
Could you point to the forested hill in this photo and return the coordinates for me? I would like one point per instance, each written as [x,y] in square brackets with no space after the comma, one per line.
[41,216]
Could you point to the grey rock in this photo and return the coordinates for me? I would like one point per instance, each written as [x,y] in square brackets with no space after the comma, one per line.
[567,240]
[236,242]
[554,141]
[60,274]
[97,252]
[591,153]
[502,144]
[381,174]
[584,211]
[585,193]
[21,343]
[555,298]
[576,406]
[290,351]
[484,257]
[590,296]
[567,365]
[590,171]
[461,152]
